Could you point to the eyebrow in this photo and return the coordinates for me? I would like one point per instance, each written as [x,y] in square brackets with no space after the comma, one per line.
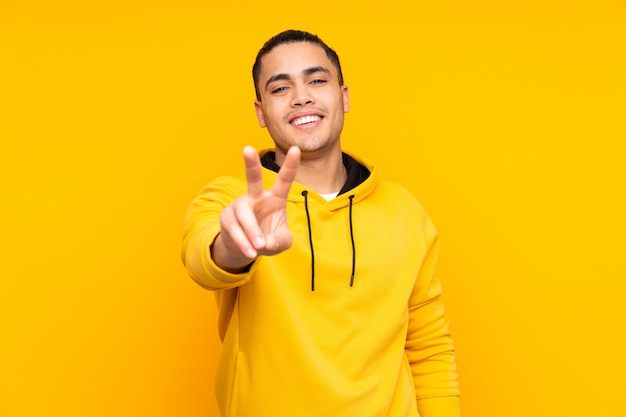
[305,72]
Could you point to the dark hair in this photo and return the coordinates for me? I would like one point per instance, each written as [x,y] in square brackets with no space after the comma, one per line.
[292,36]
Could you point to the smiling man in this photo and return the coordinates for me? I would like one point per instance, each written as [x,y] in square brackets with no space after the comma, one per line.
[324,274]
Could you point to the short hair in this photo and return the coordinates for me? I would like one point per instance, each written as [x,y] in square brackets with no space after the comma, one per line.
[292,36]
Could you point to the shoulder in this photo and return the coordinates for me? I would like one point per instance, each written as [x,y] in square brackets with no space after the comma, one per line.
[225,188]
[398,193]
[406,204]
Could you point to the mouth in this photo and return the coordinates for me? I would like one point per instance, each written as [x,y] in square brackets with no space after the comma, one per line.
[305,120]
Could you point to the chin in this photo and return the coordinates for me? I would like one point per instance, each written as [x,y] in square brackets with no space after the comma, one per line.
[314,145]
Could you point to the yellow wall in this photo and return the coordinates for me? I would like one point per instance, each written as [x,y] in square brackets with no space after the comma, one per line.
[506,119]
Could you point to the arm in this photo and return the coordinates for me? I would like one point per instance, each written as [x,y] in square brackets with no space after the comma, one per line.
[225,233]
[201,227]
[429,346]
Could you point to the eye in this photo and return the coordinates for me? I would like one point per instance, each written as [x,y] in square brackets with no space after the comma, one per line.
[318,81]
[278,90]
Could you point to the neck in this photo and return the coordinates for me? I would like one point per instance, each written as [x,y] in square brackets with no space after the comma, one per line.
[324,174]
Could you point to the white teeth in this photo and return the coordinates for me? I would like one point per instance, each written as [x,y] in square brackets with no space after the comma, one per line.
[305,119]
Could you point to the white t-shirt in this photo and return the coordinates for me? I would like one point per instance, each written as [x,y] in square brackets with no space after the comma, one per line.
[330,196]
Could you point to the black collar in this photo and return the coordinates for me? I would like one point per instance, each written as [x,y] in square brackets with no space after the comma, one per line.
[357,173]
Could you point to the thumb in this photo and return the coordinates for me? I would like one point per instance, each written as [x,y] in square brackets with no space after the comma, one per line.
[279,241]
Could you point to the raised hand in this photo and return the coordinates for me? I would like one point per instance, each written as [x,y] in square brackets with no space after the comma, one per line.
[256,223]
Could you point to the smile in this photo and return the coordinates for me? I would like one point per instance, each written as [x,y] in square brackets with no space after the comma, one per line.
[306,119]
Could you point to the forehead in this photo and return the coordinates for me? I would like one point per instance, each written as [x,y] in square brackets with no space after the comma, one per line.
[293,58]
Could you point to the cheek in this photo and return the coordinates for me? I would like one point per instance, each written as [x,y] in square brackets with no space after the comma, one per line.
[272,114]
[340,103]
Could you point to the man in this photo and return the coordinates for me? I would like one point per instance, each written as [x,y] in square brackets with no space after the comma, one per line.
[323,273]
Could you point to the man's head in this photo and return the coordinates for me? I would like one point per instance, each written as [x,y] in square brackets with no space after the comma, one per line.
[302,98]
[292,36]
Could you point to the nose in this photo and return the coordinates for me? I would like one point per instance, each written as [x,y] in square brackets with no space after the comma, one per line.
[301,97]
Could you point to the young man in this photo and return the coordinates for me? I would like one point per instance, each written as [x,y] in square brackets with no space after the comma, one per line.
[324,274]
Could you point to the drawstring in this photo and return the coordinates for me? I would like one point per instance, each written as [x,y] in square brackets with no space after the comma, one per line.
[308,220]
[352,239]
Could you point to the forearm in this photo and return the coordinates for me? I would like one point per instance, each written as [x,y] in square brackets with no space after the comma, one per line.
[431,354]
[197,258]
[448,406]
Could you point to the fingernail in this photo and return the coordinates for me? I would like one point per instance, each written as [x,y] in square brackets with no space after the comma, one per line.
[259,242]
[251,253]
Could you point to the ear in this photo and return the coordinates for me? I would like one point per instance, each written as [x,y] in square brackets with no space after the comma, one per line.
[346,98]
[259,113]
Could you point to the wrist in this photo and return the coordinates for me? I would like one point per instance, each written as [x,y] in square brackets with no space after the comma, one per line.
[229,260]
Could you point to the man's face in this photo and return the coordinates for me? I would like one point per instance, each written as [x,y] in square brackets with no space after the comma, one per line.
[301,102]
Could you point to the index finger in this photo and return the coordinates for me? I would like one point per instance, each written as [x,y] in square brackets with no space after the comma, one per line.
[254,173]
[287,173]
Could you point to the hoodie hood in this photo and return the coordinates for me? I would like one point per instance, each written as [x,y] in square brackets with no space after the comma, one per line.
[362,180]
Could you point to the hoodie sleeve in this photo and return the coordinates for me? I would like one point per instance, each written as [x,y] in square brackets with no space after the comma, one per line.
[429,345]
[202,225]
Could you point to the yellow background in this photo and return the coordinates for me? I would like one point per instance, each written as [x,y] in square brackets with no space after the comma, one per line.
[505,118]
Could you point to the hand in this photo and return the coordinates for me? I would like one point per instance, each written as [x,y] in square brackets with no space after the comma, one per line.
[256,223]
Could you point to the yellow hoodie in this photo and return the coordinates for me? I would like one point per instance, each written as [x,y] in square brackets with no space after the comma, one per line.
[377,348]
